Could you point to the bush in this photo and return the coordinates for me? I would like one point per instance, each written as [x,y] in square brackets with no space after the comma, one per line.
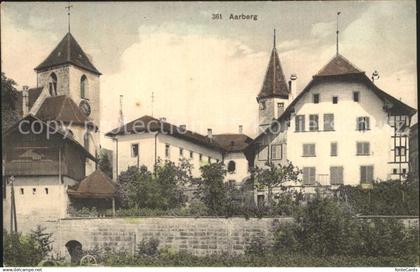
[148,247]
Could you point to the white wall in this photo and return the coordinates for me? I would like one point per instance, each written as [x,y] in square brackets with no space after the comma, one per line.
[241,171]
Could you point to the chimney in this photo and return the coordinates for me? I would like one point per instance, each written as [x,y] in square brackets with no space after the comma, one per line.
[25,101]
[241,129]
[162,119]
[210,133]
[183,128]
[292,87]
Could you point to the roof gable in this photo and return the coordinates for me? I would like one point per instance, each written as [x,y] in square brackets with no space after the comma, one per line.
[96,185]
[68,51]
[274,84]
[338,65]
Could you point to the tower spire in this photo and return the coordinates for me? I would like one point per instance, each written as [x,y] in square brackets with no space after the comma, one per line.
[68,15]
[337,32]
[274,39]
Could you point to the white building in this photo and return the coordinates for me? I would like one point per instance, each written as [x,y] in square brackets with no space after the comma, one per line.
[340,129]
[146,140]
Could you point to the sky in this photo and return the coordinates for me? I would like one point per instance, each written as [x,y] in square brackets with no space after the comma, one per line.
[205,72]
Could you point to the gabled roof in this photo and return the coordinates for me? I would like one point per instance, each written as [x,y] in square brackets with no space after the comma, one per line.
[345,71]
[147,124]
[233,142]
[96,185]
[274,84]
[68,51]
[51,131]
[338,65]
[62,108]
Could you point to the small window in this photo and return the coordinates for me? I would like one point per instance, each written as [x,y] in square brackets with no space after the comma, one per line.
[262,105]
[404,171]
[366,174]
[134,150]
[231,167]
[315,98]
[336,175]
[300,123]
[394,171]
[280,108]
[262,152]
[83,87]
[335,99]
[52,84]
[334,150]
[33,191]
[328,122]
[22,191]
[260,200]
[276,151]
[191,154]
[46,191]
[308,150]
[362,123]
[181,152]
[400,151]
[308,175]
[209,160]
[363,149]
[356,97]
[200,157]
[167,151]
[313,122]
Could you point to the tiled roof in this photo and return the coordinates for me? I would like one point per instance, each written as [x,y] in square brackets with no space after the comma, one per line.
[61,108]
[338,65]
[33,95]
[150,124]
[233,142]
[274,84]
[68,51]
[96,185]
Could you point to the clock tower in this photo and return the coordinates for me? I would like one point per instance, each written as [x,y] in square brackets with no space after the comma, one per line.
[69,72]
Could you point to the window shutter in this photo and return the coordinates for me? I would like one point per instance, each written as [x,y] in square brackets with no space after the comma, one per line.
[359,148]
[370,174]
[312,172]
[367,125]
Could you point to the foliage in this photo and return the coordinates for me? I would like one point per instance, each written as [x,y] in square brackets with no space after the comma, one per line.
[148,247]
[43,240]
[257,246]
[211,189]
[84,212]
[105,163]
[9,99]
[386,198]
[273,176]
[20,250]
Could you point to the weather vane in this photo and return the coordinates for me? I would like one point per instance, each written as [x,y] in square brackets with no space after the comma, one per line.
[68,14]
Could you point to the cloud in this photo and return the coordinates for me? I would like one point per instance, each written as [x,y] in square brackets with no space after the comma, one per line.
[322,30]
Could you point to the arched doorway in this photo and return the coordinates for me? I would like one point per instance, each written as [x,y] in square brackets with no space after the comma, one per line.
[75,250]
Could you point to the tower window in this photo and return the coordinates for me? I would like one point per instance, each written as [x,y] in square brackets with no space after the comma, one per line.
[280,108]
[356,96]
[335,99]
[46,191]
[83,87]
[52,84]
[134,150]
[33,191]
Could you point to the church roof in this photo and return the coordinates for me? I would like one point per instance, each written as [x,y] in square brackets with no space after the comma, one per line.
[68,51]
[338,65]
[274,84]
[147,124]
[96,185]
[62,108]
[233,142]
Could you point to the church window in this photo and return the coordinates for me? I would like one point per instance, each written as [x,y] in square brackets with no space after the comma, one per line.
[83,87]
[52,84]
[335,99]
[231,167]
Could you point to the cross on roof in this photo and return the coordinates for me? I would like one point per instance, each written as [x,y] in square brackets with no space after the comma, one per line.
[68,13]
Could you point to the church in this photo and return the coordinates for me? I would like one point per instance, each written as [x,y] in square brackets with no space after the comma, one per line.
[50,155]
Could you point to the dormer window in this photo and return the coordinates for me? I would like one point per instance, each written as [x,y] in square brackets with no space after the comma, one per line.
[315,98]
[52,84]
[83,87]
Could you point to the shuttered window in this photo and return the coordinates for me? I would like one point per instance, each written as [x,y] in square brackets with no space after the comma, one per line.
[300,123]
[308,175]
[334,150]
[276,151]
[328,121]
[336,175]
[366,173]
[313,122]
[309,150]
[363,149]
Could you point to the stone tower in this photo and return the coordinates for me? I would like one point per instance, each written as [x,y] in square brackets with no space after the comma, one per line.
[274,94]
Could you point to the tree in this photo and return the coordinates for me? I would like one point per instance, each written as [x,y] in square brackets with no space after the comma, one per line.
[9,98]
[274,176]
[211,189]
[105,163]
[20,250]
[43,239]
